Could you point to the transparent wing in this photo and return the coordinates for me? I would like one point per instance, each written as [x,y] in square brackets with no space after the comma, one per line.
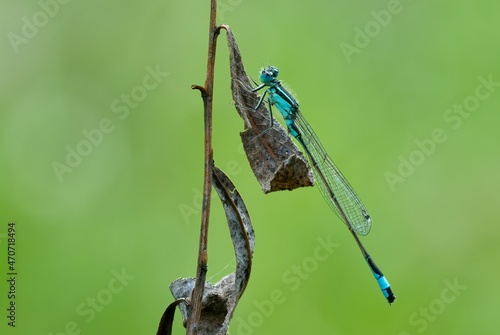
[335,189]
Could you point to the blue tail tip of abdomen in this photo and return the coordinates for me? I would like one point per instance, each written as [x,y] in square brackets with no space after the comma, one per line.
[389,295]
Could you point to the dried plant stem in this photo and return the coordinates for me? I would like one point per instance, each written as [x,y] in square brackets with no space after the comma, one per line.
[207,96]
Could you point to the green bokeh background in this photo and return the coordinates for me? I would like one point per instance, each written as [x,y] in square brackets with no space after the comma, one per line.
[132,204]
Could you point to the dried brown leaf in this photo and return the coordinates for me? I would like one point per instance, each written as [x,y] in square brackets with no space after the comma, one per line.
[276,161]
[220,300]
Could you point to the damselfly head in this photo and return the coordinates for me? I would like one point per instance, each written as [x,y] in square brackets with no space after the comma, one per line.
[268,74]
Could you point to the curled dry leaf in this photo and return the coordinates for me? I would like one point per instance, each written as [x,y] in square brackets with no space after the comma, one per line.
[167,319]
[219,300]
[276,161]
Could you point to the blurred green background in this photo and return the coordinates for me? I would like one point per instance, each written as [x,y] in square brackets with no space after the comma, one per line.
[404,96]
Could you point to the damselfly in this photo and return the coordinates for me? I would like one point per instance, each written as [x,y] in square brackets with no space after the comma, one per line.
[337,192]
